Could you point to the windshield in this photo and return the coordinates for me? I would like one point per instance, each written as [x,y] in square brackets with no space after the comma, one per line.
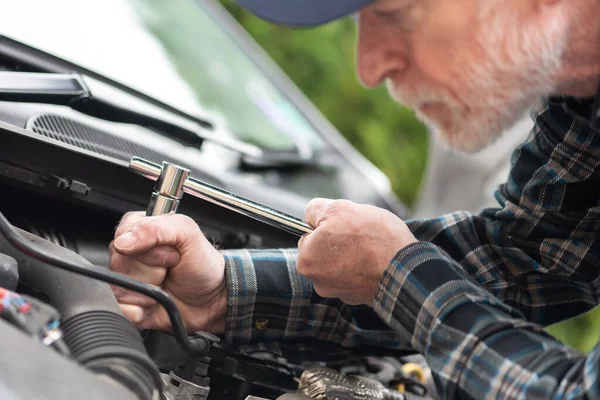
[174,51]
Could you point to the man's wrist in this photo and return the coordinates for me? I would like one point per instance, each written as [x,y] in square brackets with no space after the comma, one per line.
[210,309]
[218,311]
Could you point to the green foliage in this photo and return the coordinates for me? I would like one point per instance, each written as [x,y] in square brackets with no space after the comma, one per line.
[321,62]
[581,332]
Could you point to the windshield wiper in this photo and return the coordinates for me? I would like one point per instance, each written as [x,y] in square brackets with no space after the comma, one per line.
[173,122]
[30,59]
[72,90]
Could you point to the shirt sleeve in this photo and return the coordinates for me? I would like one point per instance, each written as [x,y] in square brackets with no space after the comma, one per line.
[270,303]
[477,346]
[538,251]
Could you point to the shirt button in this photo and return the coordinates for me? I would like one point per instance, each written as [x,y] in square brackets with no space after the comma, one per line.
[262,324]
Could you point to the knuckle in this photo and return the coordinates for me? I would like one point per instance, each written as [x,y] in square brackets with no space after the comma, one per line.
[302,266]
[145,228]
[331,209]
[343,205]
[185,230]
[301,269]
[185,222]
[164,256]
[337,207]
[129,218]
[314,202]
[326,231]
[134,215]
[144,223]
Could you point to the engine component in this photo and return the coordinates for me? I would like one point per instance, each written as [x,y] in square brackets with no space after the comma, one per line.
[32,371]
[221,197]
[287,396]
[235,376]
[95,331]
[327,384]
[34,317]
[72,185]
[180,389]
[90,245]
[398,373]
[380,369]
[110,345]
[189,381]
[414,371]
[9,272]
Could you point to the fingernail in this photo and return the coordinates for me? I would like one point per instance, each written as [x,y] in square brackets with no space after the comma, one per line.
[125,241]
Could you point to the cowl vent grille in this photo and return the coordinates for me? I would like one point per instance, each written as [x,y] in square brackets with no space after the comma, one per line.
[90,138]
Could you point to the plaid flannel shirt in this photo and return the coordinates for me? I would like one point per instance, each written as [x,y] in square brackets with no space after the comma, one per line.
[473,295]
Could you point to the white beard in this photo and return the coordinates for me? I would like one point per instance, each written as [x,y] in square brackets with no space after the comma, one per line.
[497,91]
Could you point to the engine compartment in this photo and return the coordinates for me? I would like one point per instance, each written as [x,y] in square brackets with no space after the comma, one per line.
[75,200]
[65,184]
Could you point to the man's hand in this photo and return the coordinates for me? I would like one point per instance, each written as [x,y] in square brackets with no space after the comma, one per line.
[350,249]
[171,252]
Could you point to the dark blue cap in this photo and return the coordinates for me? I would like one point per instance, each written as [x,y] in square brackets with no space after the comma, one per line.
[302,12]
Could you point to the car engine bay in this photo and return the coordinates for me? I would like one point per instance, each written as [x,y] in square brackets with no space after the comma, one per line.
[65,183]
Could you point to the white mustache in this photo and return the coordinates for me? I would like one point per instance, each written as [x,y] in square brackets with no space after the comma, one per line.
[417,98]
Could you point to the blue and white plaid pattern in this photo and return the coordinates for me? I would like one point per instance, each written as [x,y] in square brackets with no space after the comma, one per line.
[473,295]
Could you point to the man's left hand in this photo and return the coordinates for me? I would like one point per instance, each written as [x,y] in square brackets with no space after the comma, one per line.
[351,247]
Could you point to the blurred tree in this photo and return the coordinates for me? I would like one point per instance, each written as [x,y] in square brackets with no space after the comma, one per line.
[581,332]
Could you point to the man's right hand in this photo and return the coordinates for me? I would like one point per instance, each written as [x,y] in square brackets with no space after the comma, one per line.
[170,251]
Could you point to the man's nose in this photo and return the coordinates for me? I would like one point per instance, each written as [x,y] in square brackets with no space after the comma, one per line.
[381,51]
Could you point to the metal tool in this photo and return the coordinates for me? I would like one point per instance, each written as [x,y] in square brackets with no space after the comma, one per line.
[168,190]
[173,181]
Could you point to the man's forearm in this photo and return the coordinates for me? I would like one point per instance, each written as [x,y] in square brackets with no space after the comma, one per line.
[536,250]
[269,301]
[526,272]
[476,346]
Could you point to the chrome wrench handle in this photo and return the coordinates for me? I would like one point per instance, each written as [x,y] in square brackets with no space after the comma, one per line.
[215,195]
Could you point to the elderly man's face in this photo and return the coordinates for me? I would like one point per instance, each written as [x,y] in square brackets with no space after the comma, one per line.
[469,68]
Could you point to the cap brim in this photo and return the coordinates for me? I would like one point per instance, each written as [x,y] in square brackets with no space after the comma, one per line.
[302,13]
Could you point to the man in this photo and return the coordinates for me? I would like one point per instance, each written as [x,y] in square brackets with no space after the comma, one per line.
[465,291]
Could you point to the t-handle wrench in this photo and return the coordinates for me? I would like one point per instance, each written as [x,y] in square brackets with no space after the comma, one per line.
[173,181]
[168,190]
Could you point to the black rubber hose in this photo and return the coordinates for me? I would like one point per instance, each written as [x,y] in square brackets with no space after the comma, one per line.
[37,249]
[109,344]
[95,331]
